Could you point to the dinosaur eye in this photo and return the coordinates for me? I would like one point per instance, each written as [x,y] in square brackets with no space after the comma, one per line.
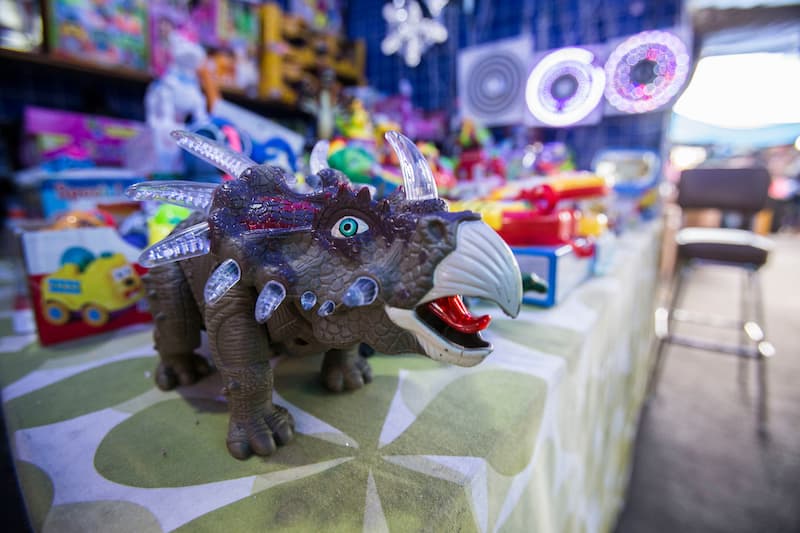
[348,226]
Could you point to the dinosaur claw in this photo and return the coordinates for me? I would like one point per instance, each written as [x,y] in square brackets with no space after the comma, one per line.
[281,423]
[239,449]
[262,442]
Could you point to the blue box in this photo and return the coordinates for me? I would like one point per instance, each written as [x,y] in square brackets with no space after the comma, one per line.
[562,267]
[75,189]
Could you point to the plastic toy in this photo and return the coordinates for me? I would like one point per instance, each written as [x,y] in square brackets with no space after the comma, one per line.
[21,25]
[171,101]
[267,269]
[533,212]
[474,162]
[634,175]
[164,220]
[276,151]
[82,219]
[92,286]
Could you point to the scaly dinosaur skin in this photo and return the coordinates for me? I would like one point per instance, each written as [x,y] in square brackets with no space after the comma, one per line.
[334,243]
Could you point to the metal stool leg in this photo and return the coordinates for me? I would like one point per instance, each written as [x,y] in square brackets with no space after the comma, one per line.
[663,322]
[765,350]
[743,365]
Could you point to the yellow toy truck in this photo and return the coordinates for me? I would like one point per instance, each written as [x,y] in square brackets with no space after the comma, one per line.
[93,287]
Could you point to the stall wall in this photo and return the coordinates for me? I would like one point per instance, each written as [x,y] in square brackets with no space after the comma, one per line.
[552,24]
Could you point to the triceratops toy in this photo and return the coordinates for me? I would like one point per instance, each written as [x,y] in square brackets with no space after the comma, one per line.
[268,269]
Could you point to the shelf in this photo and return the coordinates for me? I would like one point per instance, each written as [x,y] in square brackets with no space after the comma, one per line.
[273,107]
[77,65]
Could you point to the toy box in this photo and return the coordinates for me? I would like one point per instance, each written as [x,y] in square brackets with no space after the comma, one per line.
[556,269]
[50,134]
[49,193]
[113,32]
[82,282]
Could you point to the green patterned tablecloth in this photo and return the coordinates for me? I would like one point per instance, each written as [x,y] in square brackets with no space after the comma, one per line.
[536,438]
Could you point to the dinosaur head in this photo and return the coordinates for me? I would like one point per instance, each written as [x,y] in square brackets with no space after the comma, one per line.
[390,273]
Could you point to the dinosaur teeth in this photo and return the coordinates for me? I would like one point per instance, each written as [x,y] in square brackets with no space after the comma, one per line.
[308,300]
[326,308]
[269,299]
[221,281]
[363,291]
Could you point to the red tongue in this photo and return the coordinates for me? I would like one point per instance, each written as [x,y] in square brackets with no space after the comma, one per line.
[452,310]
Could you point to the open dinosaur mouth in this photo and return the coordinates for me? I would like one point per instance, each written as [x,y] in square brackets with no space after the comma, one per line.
[450,318]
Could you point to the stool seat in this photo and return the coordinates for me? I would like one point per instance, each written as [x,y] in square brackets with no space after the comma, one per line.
[723,245]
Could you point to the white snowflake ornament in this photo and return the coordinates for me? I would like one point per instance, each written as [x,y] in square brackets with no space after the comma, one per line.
[409,31]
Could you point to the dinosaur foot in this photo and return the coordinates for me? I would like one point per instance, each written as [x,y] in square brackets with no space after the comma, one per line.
[260,434]
[341,371]
[186,371]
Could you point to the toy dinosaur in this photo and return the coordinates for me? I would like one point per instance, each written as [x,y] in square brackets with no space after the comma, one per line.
[268,269]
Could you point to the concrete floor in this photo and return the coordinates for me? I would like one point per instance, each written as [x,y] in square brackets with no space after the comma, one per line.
[700,463]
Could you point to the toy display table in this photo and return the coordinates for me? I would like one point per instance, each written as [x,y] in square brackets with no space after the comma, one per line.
[536,438]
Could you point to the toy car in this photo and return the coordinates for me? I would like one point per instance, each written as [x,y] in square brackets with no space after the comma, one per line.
[94,287]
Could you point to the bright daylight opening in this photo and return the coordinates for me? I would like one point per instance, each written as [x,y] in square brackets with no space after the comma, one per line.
[744,91]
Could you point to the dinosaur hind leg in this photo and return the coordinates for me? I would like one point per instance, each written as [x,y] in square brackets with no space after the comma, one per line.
[177,325]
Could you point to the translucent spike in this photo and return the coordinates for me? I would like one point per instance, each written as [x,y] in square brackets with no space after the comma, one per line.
[418,179]
[221,281]
[220,156]
[363,291]
[269,299]
[326,308]
[191,242]
[189,194]
[319,157]
[308,300]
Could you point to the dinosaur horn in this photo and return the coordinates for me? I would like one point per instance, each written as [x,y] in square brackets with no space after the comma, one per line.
[194,195]
[418,179]
[221,281]
[319,157]
[191,242]
[269,299]
[220,156]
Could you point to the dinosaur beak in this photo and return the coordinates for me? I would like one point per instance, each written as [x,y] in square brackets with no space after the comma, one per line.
[481,266]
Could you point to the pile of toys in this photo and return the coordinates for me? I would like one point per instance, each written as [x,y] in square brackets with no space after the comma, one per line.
[81,257]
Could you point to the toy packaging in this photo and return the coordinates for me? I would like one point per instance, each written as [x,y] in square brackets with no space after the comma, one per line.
[82,282]
[113,32]
[50,134]
[553,270]
[75,189]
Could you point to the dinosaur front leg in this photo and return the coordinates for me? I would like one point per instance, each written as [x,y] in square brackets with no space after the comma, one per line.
[241,353]
[345,370]
[177,324]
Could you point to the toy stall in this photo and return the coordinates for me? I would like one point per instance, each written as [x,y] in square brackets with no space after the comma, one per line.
[328,265]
